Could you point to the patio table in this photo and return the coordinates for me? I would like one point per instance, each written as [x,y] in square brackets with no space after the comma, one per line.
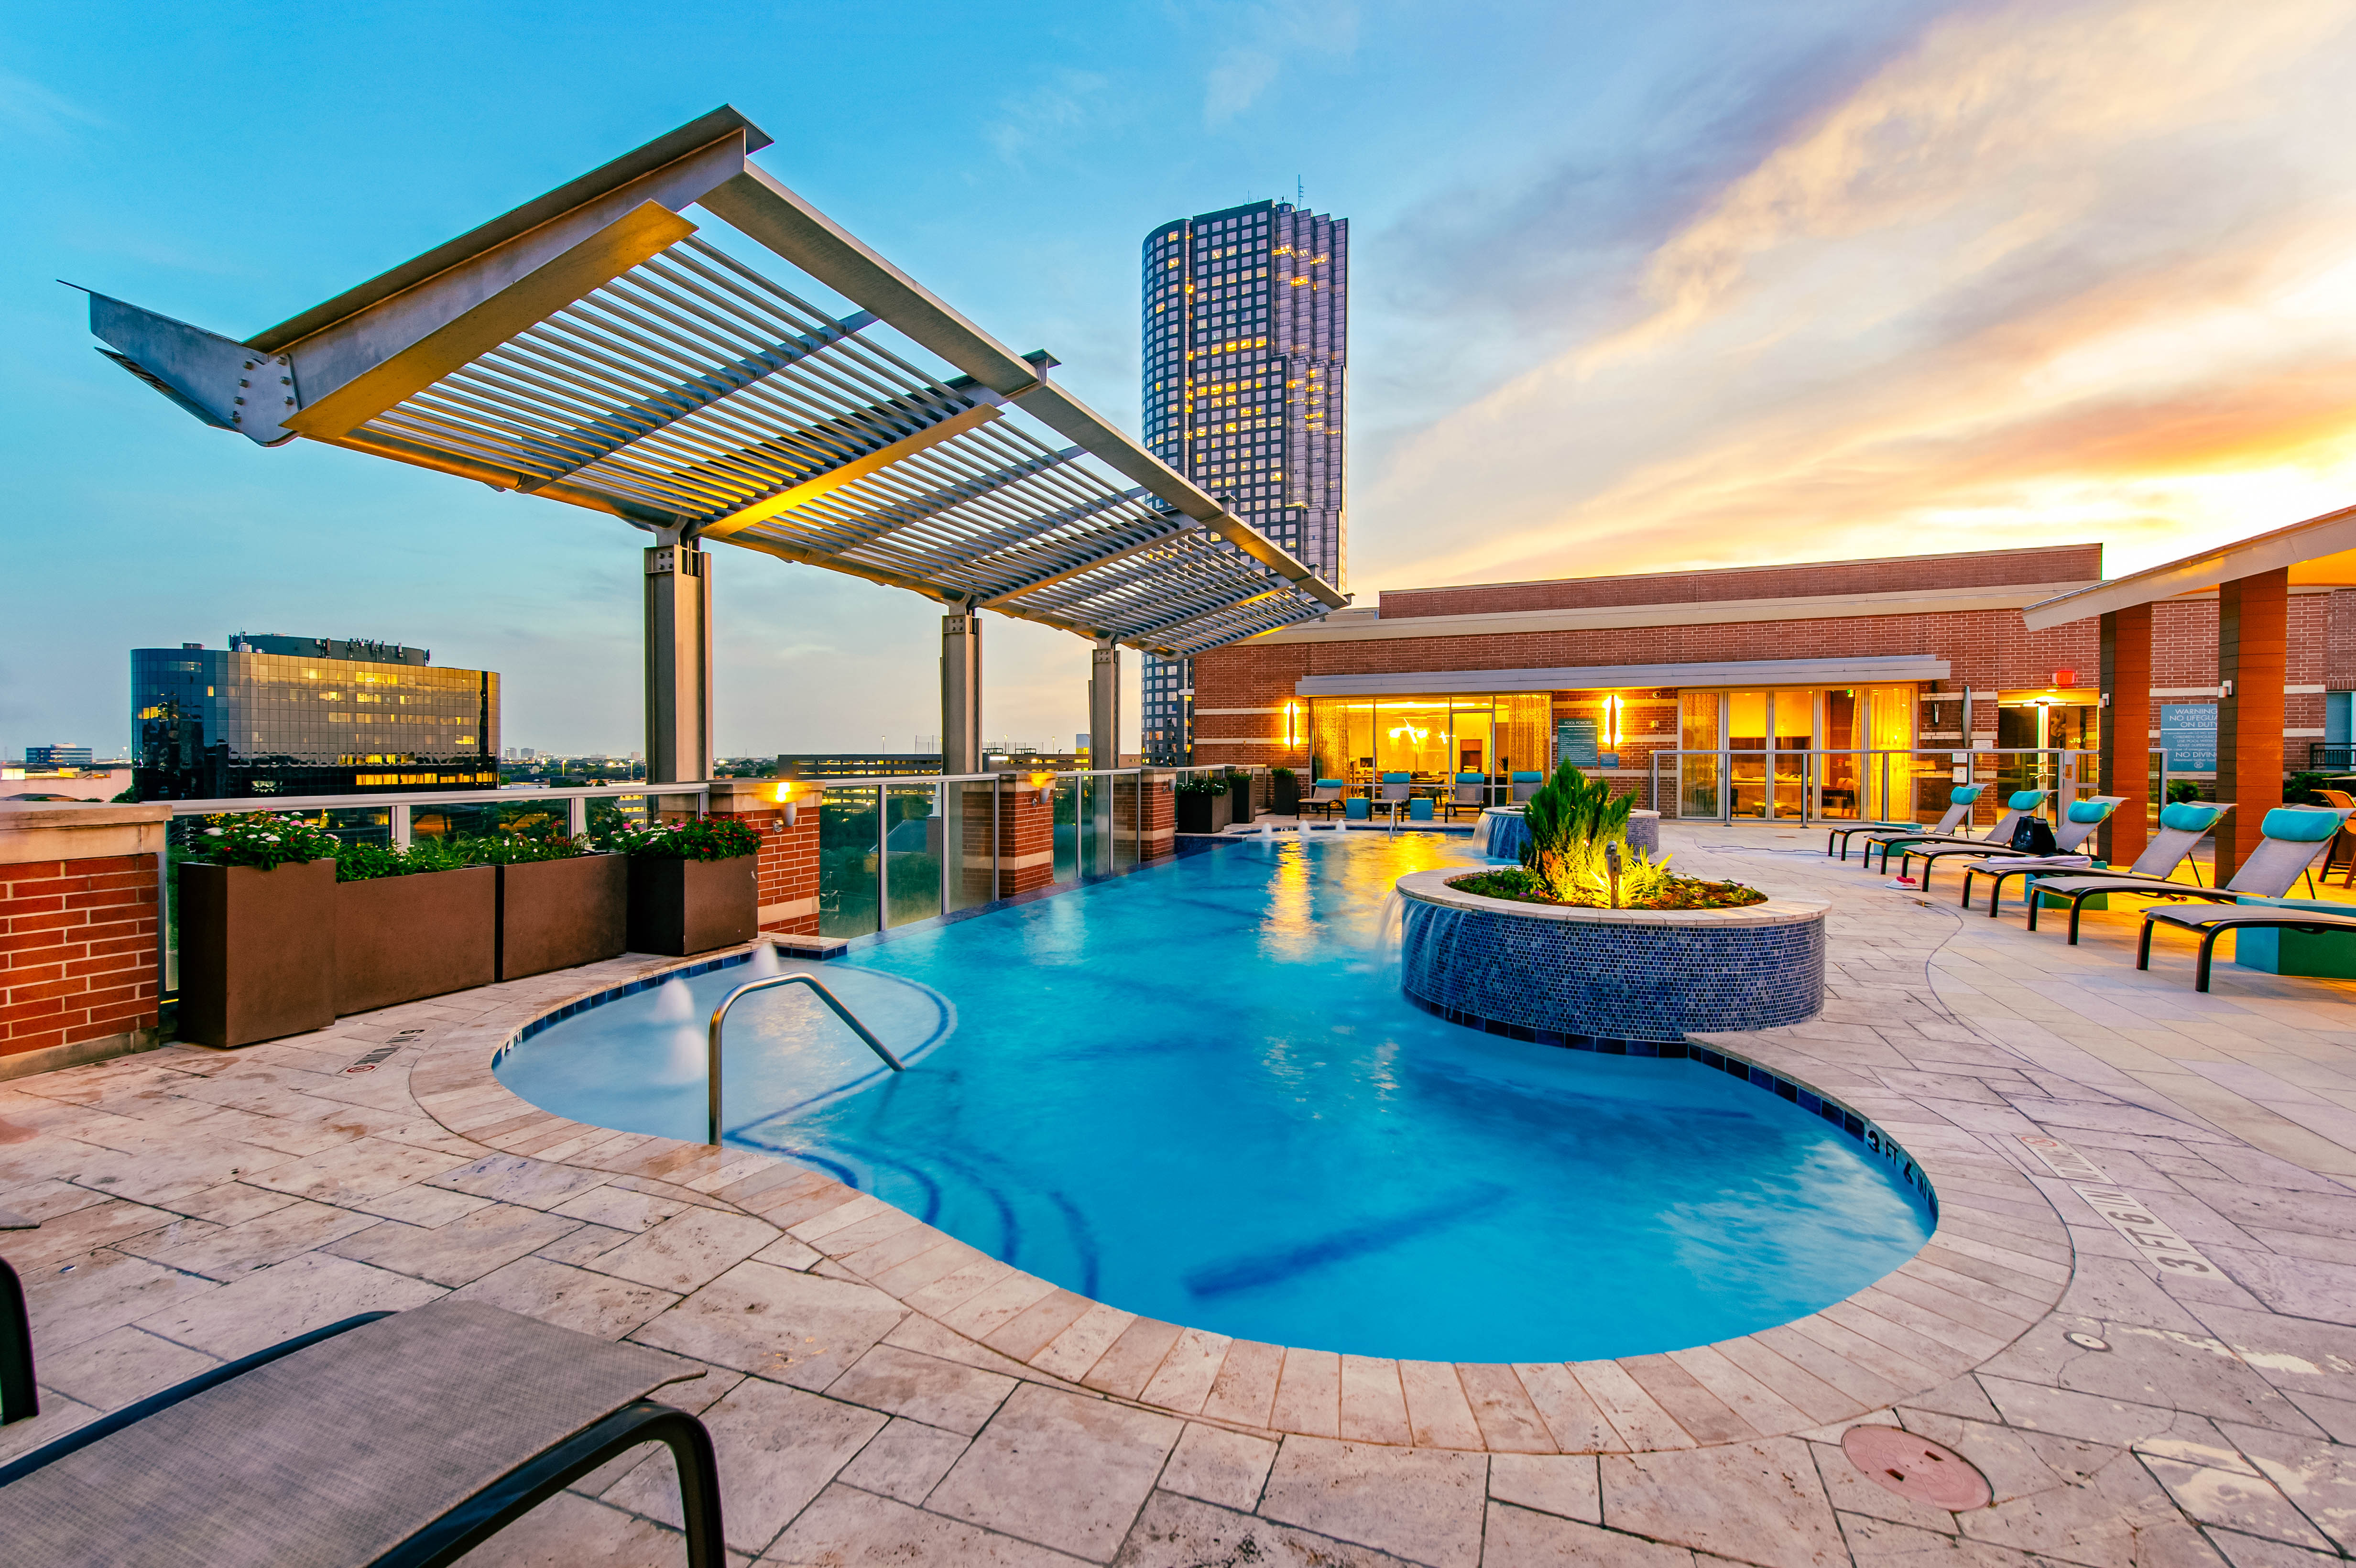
[406,1440]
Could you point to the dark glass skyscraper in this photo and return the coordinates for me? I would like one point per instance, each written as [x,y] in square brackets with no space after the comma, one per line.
[1245,380]
[296,716]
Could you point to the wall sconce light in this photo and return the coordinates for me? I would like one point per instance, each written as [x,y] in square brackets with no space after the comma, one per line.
[1044,784]
[1291,725]
[1611,723]
[786,799]
[2225,689]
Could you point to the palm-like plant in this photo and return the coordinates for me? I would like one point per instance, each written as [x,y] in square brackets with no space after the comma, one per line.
[1578,831]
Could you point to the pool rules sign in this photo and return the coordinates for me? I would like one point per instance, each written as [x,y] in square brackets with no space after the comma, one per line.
[2153,1238]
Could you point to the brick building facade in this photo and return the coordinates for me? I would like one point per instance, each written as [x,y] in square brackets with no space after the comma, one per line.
[1829,657]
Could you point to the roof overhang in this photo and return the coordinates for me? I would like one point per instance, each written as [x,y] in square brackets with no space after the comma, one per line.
[1594,678]
[595,346]
[2319,553]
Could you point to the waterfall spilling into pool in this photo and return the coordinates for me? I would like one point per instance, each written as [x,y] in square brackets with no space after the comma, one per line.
[1198,1093]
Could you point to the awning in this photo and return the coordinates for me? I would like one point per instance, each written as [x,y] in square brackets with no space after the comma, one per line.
[1590,677]
[2319,553]
[595,346]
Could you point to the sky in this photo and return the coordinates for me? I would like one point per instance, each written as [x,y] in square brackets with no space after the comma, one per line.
[1634,289]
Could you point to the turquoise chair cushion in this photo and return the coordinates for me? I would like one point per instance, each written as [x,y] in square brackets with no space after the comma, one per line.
[2188,816]
[1963,794]
[2024,799]
[2300,826]
[1329,784]
[1471,778]
[1525,778]
[1420,809]
[2091,810]
[1399,778]
[1355,807]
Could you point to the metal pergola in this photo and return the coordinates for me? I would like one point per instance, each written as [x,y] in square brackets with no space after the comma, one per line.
[594,347]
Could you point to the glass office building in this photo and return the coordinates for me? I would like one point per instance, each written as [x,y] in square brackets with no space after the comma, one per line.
[302,716]
[1245,327]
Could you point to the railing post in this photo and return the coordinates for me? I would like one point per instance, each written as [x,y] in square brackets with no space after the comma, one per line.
[576,815]
[883,858]
[997,835]
[399,816]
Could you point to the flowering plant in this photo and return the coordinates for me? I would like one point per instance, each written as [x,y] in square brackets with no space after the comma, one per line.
[697,838]
[261,838]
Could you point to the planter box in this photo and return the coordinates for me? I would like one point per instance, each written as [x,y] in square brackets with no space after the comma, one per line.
[678,907]
[555,914]
[400,938]
[1238,798]
[257,950]
[1203,813]
[1288,797]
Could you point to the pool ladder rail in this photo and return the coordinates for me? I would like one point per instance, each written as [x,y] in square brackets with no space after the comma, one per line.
[720,1017]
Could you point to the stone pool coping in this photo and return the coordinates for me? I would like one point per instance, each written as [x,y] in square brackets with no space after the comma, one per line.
[1431,886]
[1997,1263]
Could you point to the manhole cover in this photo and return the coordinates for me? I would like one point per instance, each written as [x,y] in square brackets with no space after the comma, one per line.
[1916,1468]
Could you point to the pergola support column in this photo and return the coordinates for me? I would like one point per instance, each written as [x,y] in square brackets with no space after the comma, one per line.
[2125,764]
[2253,663]
[961,692]
[1104,739]
[678,664]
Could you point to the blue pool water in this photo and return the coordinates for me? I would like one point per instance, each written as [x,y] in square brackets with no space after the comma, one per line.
[1196,1092]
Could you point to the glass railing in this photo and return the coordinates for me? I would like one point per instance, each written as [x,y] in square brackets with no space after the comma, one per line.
[1911,785]
[891,851]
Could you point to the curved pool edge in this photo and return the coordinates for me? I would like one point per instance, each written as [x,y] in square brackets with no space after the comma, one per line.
[2006,1260]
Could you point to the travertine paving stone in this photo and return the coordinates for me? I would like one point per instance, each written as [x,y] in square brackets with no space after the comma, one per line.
[885,1393]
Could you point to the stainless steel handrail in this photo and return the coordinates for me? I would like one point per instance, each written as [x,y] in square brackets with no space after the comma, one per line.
[719,1017]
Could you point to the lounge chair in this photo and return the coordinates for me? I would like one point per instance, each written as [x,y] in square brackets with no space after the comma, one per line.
[2077,825]
[1960,801]
[2286,849]
[2342,799]
[1394,790]
[1470,794]
[2017,804]
[2293,836]
[2182,825]
[407,1437]
[1526,785]
[1323,797]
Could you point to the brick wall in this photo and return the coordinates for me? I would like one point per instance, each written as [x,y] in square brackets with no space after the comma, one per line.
[1989,650]
[1026,827]
[786,871]
[1160,836]
[1979,568]
[77,951]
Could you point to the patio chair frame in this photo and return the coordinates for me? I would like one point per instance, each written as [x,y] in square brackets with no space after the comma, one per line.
[2309,923]
[440,1541]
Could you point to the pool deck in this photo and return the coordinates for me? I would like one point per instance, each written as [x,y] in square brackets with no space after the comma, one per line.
[882,1394]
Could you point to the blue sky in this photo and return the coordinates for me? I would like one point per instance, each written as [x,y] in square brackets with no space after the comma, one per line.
[1633,288]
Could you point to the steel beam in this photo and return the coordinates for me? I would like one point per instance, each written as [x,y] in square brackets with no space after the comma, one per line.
[596,259]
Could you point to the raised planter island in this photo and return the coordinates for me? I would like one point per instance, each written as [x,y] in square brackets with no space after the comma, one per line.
[1624,980]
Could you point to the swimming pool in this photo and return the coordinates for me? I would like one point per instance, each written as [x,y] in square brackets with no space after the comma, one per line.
[1197,1093]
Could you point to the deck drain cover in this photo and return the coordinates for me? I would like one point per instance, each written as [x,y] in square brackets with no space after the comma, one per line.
[1916,1468]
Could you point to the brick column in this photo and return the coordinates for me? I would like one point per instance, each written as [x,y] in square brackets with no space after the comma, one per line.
[2126,769]
[2253,654]
[1160,839]
[787,870]
[1026,837]
[77,933]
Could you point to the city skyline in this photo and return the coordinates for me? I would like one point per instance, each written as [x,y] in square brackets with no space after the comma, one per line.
[1243,327]
[1695,287]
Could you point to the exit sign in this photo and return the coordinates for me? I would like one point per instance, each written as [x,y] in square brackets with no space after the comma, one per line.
[2065,678]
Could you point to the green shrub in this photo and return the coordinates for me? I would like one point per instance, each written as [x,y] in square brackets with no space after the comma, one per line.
[1579,844]
[697,838]
[261,838]
[1200,783]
